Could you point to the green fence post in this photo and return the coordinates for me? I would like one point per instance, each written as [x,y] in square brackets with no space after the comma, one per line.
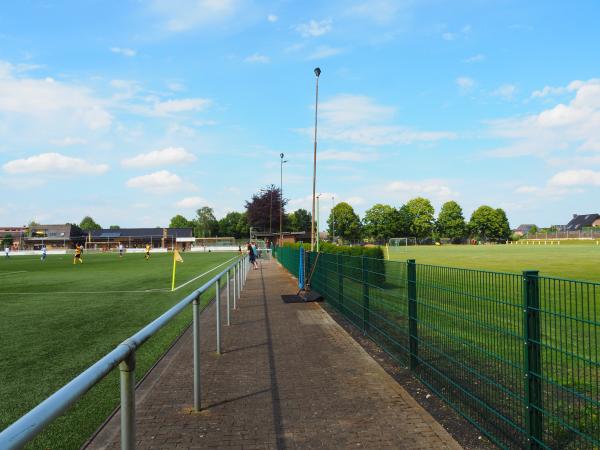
[533,358]
[365,285]
[340,271]
[411,271]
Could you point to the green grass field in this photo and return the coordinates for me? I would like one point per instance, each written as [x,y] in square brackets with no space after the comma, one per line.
[581,262]
[59,318]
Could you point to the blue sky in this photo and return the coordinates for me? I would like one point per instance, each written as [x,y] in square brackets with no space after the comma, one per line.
[134,111]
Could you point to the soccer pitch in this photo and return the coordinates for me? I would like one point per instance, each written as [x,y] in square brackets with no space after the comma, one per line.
[580,262]
[58,318]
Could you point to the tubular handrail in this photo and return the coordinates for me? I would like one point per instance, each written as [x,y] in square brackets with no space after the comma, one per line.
[32,423]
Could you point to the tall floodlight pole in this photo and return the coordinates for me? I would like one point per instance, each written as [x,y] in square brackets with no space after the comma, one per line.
[318,220]
[312,227]
[333,218]
[281,155]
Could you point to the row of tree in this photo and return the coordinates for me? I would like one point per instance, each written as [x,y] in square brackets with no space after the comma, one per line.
[417,219]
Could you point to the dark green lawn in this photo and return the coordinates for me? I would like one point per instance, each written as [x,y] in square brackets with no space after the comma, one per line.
[58,318]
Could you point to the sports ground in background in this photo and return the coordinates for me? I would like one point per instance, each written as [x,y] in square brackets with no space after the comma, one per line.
[58,318]
[580,262]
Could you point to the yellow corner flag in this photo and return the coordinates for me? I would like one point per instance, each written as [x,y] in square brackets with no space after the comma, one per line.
[176,258]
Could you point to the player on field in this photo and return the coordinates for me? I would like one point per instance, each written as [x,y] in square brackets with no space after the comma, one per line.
[121,250]
[147,252]
[44,251]
[6,250]
[77,256]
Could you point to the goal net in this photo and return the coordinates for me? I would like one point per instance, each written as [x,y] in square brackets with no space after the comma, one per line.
[397,246]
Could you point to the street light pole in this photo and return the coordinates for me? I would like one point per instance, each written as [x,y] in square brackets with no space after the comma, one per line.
[312,227]
[282,161]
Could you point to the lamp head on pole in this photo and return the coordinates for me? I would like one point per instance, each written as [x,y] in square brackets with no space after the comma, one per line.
[281,155]
[317,72]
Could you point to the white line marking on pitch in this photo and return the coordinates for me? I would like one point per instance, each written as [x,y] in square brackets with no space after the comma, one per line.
[205,273]
[12,273]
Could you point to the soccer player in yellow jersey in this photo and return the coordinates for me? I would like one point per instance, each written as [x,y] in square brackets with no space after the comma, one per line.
[147,252]
[77,256]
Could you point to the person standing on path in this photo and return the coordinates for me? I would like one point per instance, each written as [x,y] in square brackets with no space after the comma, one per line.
[252,256]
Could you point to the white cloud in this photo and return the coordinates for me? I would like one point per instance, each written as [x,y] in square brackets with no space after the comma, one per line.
[123,51]
[191,202]
[314,28]
[360,120]
[465,83]
[165,157]
[561,129]
[184,15]
[49,101]
[448,36]
[324,51]
[161,181]
[506,91]
[574,178]
[180,105]
[53,164]
[436,189]
[335,155]
[257,58]
[475,58]
[272,18]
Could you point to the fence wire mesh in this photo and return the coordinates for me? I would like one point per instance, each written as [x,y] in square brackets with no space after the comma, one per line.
[517,355]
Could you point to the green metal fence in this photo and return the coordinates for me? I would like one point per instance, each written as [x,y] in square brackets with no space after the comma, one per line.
[517,355]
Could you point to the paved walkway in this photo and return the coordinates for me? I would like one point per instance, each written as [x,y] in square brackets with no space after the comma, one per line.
[289,378]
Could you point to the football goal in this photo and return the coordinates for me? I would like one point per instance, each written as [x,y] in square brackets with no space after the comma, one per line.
[399,245]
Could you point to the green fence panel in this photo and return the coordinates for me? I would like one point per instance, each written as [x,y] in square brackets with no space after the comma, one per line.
[517,355]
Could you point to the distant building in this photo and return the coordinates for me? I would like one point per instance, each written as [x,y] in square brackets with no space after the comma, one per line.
[181,238]
[53,236]
[17,234]
[581,221]
[523,229]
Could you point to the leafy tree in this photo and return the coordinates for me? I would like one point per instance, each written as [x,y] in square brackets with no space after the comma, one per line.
[347,222]
[533,230]
[88,224]
[7,241]
[503,230]
[179,221]
[33,223]
[114,227]
[299,220]
[451,222]
[421,213]
[206,224]
[488,223]
[233,224]
[382,222]
[263,209]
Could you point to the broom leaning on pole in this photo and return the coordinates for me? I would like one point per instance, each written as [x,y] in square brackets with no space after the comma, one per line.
[176,258]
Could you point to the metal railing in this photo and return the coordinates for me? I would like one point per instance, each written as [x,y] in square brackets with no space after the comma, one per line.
[517,355]
[31,424]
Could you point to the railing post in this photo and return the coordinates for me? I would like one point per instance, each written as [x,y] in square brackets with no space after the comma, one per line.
[365,289]
[411,271]
[196,336]
[228,300]
[235,285]
[127,374]
[340,269]
[218,314]
[533,359]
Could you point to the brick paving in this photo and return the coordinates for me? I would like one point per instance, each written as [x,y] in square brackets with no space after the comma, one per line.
[289,377]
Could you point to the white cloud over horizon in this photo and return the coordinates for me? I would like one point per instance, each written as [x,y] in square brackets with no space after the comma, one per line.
[54,164]
[165,157]
[192,202]
[123,51]
[157,182]
[314,28]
